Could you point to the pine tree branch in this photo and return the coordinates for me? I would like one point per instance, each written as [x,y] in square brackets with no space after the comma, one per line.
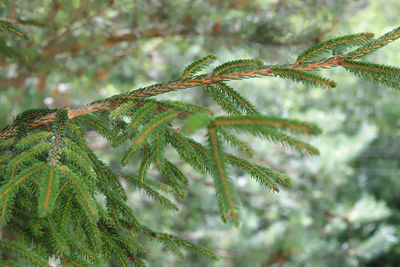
[198,80]
[55,178]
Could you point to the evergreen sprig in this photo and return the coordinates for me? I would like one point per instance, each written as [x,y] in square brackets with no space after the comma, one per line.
[22,252]
[385,75]
[374,45]
[302,76]
[258,122]
[6,26]
[237,65]
[332,46]
[223,185]
[197,66]
[57,194]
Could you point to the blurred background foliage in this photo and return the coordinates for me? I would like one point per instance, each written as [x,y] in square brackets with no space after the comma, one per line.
[342,207]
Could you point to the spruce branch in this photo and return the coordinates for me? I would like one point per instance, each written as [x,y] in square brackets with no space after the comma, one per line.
[12,185]
[235,142]
[245,122]
[200,80]
[245,106]
[331,46]
[150,191]
[218,96]
[386,75]
[9,27]
[172,241]
[197,66]
[150,127]
[237,66]
[277,136]
[159,143]
[144,166]
[173,181]
[374,45]
[254,171]
[52,182]
[187,107]
[22,252]
[223,184]
[48,190]
[161,88]
[302,76]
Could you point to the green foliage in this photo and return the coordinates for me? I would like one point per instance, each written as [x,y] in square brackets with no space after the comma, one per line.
[229,100]
[197,66]
[22,252]
[48,189]
[385,75]
[97,124]
[6,26]
[57,193]
[333,46]
[148,189]
[302,76]
[261,174]
[223,185]
[235,142]
[255,123]
[237,65]
[374,45]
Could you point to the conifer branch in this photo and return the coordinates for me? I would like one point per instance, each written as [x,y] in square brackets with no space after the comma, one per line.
[22,252]
[141,115]
[176,241]
[236,66]
[235,142]
[277,136]
[200,80]
[81,189]
[196,66]
[6,26]
[48,191]
[240,101]
[386,75]
[60,180]
[222,182]
[124,108]
[190,108]
[144,166]
[16,182]
[218,96]
[333,45]
[150,191]
[374,45]
[243,121]
[261,177]
[302,76]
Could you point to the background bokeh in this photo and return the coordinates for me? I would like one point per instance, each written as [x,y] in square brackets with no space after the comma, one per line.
[342,207]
